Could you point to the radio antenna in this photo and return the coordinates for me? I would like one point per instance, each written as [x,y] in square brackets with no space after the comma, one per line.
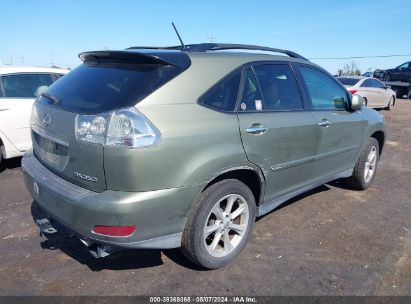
[178,35]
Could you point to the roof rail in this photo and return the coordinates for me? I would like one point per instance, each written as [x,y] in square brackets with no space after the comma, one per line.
[203,47]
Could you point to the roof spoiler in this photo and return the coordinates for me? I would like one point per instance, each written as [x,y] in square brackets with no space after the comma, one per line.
[170,57]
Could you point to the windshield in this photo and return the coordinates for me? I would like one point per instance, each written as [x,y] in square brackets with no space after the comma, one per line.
[95,88]
[348,81]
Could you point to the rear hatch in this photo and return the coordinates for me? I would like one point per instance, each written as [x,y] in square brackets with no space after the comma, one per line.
[106,81]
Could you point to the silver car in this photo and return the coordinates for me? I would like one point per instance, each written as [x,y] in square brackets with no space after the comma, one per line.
[375,93]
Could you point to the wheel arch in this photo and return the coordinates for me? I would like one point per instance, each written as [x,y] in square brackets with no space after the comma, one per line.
[1,144]
[249,176]
[380,137]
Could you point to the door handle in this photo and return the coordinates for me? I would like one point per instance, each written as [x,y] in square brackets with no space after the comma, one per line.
[324,123]
[257,129]
[3,109]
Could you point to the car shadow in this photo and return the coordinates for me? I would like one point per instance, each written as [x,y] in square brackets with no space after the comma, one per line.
[12,163]
[338,183]
[301,196]
[121,260]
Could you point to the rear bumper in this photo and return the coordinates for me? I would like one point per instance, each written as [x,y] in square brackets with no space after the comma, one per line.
[159,215]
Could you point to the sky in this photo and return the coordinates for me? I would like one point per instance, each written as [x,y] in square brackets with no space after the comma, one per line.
[41,32]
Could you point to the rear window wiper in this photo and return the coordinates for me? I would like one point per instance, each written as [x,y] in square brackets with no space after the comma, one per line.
[55,99]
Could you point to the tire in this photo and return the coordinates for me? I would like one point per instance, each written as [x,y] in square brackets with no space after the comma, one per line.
[387,77]
[366,166]
[213,251]
[1,155]
[390,103]
[365,102]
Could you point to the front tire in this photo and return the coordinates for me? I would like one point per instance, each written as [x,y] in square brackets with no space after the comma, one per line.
[1,155]
[219,224]
[390,103]
[366,166]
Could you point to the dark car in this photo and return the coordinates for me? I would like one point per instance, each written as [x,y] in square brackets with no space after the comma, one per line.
[400,73]
[368,74]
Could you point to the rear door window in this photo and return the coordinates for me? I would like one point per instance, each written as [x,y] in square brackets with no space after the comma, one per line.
[278,87]
[324,92]
[378,84]
[251,99]
[99,87]
[25,85]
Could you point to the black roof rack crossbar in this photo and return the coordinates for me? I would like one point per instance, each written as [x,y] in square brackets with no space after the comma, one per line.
[203,47]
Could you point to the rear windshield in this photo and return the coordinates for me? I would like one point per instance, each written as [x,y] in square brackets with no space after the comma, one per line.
[348,81]
[94,88]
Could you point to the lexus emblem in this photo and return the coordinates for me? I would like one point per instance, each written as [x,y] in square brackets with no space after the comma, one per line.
[46,120]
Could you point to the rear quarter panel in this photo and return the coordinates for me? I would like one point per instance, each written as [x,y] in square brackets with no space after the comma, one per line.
[196,143]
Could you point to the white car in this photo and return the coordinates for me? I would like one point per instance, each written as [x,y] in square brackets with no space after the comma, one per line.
[375,93]
[19,86]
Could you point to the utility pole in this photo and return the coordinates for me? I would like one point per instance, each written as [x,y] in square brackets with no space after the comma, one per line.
[211,38]
[22,60]
[51,59]
[11,60]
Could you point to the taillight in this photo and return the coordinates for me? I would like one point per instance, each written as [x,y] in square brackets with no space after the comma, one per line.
[91,128]
[352,91]
[122,128]
[129,128]
[114,230]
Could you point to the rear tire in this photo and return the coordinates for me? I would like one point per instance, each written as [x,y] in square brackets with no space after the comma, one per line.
[387,77]
[365,102]
[219,224]
[366,166]
[390,104]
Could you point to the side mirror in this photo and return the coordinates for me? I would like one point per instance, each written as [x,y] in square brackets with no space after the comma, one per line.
[357,102]
[340,102]
[387,87]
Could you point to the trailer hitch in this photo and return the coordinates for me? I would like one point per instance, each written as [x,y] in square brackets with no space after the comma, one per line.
[45,226]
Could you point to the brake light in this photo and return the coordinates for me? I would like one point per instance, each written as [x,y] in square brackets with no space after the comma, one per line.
[352,91]
[114,230]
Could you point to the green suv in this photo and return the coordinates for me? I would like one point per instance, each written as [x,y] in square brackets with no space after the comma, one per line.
[186,146]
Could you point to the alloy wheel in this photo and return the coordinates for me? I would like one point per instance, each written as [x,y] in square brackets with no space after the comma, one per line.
[370,164]
[226,225]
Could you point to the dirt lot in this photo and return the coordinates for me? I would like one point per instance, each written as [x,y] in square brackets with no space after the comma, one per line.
[331,241]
